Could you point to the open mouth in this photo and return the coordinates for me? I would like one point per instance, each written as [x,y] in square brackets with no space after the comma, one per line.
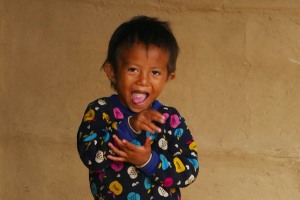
[139,98]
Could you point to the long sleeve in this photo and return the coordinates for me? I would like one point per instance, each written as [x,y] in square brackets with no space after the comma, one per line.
[177,151]
[93,135]
[173,163]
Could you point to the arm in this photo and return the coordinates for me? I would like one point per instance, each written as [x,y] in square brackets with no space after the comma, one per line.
[171,165]
[136,154]
[93,136]
[178,162]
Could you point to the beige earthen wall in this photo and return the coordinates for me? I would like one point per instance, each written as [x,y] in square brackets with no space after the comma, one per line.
[237,85]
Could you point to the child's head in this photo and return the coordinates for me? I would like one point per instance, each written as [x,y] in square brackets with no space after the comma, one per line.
[144,30]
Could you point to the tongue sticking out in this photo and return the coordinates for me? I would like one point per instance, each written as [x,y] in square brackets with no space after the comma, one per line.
[138,98]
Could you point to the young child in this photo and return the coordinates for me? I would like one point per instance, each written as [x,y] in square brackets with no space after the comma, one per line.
[134,146]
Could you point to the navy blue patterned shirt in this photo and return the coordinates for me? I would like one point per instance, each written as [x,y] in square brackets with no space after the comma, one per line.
[174,161]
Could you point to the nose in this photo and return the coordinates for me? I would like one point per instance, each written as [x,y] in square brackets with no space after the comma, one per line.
[143,79]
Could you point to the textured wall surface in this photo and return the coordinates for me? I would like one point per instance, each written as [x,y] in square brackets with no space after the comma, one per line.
[237,85]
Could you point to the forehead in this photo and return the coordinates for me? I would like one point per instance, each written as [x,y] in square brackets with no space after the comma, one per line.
[142,52]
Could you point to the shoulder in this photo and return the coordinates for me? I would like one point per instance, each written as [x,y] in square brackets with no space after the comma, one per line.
[173,118]
[168,109]
[101,103]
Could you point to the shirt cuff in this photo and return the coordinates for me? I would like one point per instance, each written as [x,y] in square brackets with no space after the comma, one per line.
[150,166]
[125,130]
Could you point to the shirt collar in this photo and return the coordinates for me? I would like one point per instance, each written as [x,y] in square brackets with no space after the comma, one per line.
[115,100]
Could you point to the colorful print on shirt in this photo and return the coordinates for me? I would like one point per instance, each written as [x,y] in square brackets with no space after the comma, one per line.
[174,162]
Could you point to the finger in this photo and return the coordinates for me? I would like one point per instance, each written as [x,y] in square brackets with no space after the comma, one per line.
[147,144]
[156,116]
[118,141]
[144,120]
[127,146]
[151,127]
[124,145]
[117,151]
[115,158]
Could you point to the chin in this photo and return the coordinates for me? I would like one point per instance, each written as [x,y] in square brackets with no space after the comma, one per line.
[138,109]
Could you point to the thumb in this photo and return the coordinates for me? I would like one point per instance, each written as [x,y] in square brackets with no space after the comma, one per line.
[148,141]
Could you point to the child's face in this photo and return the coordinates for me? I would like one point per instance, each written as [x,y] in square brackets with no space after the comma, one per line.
[141,76]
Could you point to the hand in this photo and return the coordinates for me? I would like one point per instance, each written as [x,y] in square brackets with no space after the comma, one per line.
[144,121]
[128,152]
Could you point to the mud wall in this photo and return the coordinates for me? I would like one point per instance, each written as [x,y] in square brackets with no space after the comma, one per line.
[237,85]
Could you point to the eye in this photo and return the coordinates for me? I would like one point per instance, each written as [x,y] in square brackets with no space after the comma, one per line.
[156,73]
[132,69]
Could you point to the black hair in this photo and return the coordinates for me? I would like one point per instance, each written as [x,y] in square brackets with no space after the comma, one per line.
[145,30]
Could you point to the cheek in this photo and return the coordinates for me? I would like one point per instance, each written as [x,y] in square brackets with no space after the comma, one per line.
[159,85]
[124,79]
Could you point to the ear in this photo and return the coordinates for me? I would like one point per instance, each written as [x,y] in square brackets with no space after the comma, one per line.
[110,72]
[171,76]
